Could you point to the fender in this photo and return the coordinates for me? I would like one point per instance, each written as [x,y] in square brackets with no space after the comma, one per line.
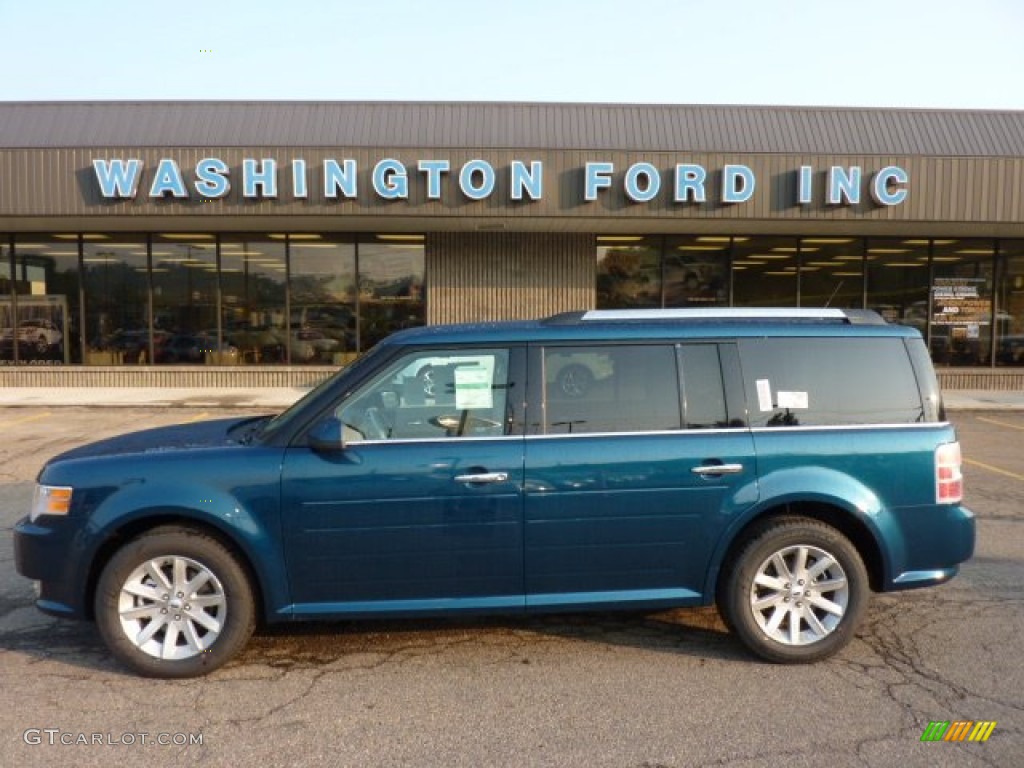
[823,486]
[253,525]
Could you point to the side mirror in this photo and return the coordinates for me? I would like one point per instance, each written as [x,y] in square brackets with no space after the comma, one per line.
[327,436]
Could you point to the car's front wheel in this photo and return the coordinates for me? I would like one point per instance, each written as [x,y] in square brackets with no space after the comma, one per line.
[796,592]
[173,603]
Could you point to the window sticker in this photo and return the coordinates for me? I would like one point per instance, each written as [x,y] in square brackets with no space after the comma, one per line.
[793,400]
[473,385]
[764,395]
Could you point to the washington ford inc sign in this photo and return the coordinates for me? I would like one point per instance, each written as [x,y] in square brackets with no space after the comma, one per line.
[212,178]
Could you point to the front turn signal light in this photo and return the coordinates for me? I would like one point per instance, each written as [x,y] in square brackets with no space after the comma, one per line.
[50,500]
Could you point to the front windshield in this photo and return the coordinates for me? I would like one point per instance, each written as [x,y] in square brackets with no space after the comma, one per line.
[285,417]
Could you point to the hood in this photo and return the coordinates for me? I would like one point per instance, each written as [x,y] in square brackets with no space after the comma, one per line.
[201,434]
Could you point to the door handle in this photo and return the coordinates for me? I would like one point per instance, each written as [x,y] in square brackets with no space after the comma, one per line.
[482,477]
[706,470]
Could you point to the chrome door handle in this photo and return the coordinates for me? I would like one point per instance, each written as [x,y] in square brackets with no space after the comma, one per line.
[717,469]
[483,477]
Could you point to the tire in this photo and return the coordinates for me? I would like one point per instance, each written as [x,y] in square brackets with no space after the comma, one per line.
[42,345]
[782,617]
[575,380]
[136,592]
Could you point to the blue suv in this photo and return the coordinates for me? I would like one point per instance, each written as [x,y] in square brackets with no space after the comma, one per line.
[780,463]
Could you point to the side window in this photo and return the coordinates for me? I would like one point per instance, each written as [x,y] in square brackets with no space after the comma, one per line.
[829,381]
[703,394]
[612,388]
[431,394]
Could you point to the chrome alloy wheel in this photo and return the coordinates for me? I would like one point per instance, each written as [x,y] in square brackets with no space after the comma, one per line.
[799,595]
[172,608]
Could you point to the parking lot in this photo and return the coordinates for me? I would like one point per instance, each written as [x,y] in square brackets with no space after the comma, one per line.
[671,689]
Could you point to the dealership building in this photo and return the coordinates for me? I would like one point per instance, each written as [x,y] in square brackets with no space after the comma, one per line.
[264,243]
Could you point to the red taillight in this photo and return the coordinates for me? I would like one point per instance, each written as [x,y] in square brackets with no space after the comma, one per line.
[949,482]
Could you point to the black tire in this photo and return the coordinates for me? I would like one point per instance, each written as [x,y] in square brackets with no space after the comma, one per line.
[807,624]
[42,345]
[196,638]
[575,380]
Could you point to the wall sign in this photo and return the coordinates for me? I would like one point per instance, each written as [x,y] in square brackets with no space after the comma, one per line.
[389,179]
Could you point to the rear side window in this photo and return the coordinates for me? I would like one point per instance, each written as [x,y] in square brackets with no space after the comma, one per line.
[613,388]
[703,395]
[829,381]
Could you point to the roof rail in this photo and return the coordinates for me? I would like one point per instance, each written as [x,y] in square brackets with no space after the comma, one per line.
[821,314]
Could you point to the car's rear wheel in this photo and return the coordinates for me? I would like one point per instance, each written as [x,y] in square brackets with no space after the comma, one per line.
[173,603]
[796,592]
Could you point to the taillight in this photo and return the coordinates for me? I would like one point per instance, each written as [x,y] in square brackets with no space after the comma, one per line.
[949,481]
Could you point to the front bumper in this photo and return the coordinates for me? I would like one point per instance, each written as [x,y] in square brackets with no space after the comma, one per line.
[50,555]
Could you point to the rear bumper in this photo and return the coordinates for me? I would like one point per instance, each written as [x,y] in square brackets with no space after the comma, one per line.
[937,541]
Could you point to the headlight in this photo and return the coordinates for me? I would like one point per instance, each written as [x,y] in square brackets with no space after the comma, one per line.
[50,500]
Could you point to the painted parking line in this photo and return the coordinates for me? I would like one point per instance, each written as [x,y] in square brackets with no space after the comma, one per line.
[997,470]
[26,419]
[999,423]
[200,417]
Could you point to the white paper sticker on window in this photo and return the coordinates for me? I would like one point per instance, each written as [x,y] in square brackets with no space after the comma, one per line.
[764,394]
[473,387]
[792,399]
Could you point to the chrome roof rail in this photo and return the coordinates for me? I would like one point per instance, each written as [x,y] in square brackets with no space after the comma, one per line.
[823,314]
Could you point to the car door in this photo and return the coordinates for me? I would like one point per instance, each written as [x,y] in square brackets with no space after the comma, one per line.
[421,510]
[630,479]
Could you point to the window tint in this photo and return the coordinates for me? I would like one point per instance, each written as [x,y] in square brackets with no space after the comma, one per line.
[807,382]
[702,387]
[432,394]
[611,389]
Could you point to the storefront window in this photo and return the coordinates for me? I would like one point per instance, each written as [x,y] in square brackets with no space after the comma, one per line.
[323,299]
[184,298]
[628,272]
[6,302]
[391,296]
[897,286]
[696,270]
[6,267]
[116,291]
[764,271]
[832,272]
[44,316]
[253,278]
[1010,304]
[962,302]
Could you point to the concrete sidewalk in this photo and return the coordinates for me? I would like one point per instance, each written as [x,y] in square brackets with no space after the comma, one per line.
[275,399]
[268,398]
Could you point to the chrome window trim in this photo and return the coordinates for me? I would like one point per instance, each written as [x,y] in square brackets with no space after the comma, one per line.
[661,432]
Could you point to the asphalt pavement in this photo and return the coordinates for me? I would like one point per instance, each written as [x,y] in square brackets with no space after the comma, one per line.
[666,690]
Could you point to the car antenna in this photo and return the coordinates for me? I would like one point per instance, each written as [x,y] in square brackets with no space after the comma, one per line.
[838,286]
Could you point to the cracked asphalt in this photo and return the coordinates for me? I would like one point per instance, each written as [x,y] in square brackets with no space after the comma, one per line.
[632,691]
